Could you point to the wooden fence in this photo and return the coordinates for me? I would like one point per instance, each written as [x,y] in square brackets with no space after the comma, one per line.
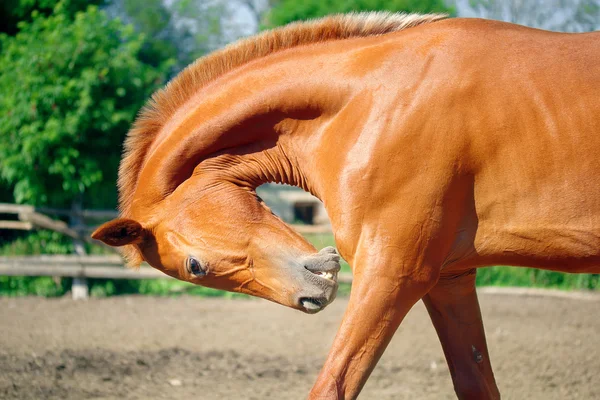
[81,266]
[74,266]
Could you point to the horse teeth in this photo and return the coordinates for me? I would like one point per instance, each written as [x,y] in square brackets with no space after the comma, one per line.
[327,275]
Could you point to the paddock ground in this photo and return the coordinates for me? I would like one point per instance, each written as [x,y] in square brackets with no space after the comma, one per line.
[198,348]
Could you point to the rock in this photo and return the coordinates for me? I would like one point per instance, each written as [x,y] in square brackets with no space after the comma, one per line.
[175,382]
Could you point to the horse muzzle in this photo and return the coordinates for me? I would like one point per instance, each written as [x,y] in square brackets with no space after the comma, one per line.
[320,275]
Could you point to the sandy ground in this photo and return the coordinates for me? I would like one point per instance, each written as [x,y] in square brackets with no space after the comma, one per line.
[197,348]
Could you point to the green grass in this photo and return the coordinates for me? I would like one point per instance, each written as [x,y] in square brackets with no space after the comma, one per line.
[529,277]
[52,243]
[39,242]
[33,286]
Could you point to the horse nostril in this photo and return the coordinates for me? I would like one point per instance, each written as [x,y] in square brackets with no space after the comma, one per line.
[323,262]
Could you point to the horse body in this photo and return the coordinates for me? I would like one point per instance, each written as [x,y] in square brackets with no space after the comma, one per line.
[533,130]
[436,150]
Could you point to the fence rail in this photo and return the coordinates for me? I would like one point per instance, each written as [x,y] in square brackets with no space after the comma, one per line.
[8,208]
[108,267]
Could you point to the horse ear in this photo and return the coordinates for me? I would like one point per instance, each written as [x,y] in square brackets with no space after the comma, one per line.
[119,232]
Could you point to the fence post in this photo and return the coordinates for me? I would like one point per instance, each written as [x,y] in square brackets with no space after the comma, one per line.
[79,287]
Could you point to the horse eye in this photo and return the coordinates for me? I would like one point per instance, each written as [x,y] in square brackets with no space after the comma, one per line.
[195,267]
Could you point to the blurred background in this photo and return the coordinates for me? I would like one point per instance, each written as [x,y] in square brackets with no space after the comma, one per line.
[73,75]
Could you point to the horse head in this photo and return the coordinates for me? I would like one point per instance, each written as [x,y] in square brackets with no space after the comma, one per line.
[217,234]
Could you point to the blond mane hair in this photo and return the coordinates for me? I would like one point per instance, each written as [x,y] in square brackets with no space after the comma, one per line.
[165,102]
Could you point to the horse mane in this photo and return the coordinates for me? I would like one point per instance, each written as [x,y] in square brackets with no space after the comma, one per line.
[165,102]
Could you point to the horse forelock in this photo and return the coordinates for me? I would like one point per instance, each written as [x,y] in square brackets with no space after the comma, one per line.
[165,102]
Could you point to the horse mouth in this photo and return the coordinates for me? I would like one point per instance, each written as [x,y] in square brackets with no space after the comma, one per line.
[320,275]
[328,284]
[313,304]
[328,275]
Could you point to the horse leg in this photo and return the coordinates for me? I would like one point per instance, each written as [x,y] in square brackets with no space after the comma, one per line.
[454,310]
[379,300]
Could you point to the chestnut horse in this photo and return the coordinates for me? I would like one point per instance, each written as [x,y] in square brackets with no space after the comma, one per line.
[436,145]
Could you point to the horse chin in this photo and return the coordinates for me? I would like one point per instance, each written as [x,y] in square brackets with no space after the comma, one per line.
[316,298]
[312,305]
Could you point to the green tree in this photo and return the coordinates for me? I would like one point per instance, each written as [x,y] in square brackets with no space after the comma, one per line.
[14,11]
[286,11]
[182,30]
[70,87]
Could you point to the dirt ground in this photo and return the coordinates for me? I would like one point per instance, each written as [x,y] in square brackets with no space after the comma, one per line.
[198,348]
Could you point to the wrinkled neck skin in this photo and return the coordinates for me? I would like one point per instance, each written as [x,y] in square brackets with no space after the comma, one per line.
[281,131]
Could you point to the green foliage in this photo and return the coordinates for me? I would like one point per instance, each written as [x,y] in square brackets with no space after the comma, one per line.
[39,242]
[53,287]
[33,286]
[529,277]
[286,11]
[70,89]
[154,19]
[13,11]
[182,30]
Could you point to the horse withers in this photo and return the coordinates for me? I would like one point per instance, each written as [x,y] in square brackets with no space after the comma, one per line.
[436,145]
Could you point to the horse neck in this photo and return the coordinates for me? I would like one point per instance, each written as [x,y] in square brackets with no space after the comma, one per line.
[270,134]
[285,161]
